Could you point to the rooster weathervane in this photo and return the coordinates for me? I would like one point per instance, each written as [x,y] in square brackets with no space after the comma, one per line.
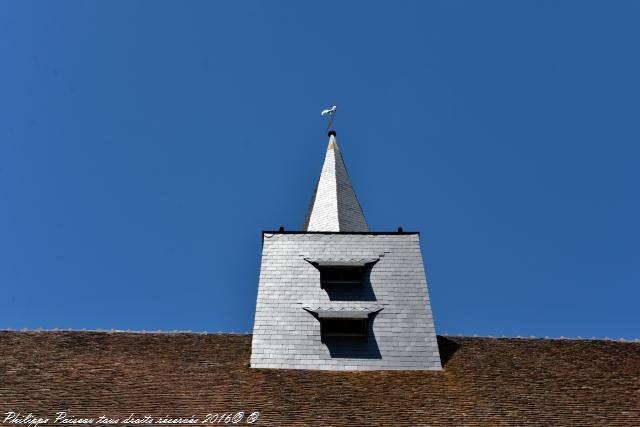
[331,114]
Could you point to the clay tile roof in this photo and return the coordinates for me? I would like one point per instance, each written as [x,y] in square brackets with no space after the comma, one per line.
[485,381]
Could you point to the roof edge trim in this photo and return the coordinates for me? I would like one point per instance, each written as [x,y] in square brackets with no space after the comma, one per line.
[340,232]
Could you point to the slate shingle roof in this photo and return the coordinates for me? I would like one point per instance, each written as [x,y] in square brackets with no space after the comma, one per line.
[334,205]
[401,336]
[485,381]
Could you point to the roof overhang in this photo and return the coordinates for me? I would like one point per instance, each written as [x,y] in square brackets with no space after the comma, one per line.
[342,313]
[341,262]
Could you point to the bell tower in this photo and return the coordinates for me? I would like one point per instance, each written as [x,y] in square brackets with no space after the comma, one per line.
[337,296]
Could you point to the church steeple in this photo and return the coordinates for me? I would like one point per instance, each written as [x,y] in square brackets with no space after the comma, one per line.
[334,206]
[338,296]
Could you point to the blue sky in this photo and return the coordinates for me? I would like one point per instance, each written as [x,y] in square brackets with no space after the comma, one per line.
[145,145]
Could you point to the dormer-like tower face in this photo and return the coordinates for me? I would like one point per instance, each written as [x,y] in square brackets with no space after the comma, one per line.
[337,296]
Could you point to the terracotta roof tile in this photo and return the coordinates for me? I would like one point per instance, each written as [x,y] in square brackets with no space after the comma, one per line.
[485,381]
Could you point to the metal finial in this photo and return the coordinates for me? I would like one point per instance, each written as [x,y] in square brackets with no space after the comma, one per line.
[331,112]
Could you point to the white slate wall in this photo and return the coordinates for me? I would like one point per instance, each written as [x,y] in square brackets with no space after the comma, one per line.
[287,336]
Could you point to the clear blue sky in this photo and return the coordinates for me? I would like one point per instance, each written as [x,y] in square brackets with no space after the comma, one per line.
[145,145]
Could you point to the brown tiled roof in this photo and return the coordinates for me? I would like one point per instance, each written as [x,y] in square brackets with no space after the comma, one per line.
[485,381]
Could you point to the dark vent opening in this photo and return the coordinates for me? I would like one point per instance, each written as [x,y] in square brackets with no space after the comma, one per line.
[331,275]
[356,328]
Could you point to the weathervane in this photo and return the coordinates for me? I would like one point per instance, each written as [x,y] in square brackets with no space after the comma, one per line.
[331,112]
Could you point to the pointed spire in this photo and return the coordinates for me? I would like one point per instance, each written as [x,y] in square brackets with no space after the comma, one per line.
[334,206]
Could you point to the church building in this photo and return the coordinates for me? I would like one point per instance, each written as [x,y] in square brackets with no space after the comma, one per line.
[343,336]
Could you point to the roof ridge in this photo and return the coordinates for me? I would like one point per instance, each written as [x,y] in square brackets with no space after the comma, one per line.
[560,338]
[444,335]
[127,331]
